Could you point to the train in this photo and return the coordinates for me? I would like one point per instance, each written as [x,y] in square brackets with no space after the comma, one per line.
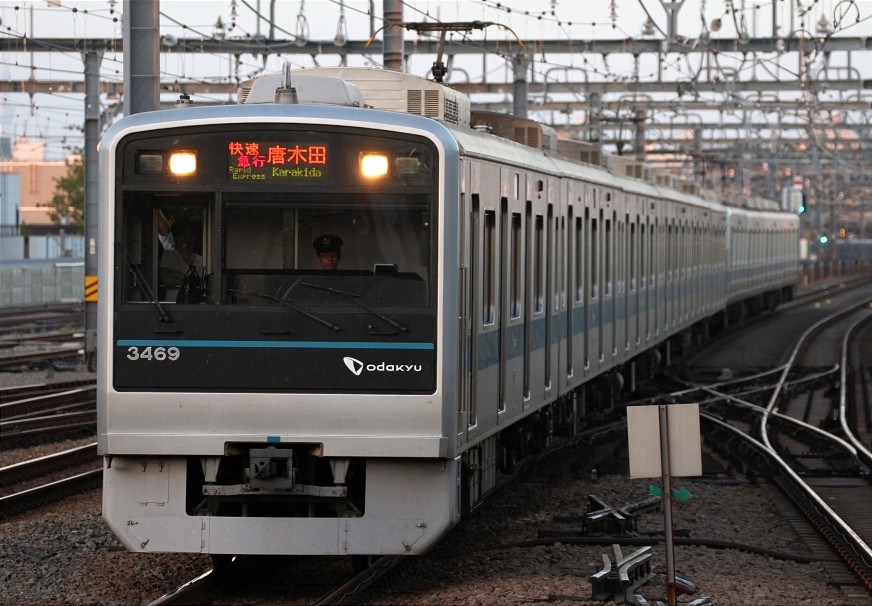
[494,295]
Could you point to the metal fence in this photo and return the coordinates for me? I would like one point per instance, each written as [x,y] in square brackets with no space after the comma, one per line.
[24,283]
[53,246]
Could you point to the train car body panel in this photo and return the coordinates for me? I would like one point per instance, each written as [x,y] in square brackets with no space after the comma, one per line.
[148,515]
[209,370]
[197,387]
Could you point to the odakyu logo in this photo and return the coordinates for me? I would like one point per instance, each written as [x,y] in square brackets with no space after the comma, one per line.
[357,367]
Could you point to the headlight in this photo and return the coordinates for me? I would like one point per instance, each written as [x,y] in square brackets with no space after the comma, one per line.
[183,163]
[373,166]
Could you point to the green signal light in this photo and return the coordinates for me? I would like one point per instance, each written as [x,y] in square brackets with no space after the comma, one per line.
[824,239]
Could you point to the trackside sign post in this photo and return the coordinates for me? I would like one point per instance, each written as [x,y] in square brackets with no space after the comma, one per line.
[664,441]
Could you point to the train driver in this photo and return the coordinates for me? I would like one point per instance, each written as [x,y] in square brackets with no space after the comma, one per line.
[328,248]
[185,258]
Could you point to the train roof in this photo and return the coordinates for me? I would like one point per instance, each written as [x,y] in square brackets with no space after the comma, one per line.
[380,89]
[487,146]
[406,93]
[332,92]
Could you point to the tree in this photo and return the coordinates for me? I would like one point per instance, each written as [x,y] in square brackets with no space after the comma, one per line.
[69,196]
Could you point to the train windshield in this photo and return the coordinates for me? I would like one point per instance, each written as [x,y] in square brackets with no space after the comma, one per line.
[360,249]
[251,246]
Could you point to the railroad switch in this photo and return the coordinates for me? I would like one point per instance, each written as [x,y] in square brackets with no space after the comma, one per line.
[602,518]
[618,580]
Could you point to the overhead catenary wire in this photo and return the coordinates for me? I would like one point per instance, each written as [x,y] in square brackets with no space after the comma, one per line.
[527,15]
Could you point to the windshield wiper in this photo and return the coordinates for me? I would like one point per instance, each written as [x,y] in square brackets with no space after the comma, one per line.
[296,308]
[161,311]
[354,299]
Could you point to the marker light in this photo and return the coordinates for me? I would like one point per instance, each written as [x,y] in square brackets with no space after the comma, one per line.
[183,163]
[149,164]
[407,166]
[373,166]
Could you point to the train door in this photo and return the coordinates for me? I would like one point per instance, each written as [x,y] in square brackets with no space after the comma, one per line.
[659,236]
[608,265]
[527,305]
[511,293]
[550,265]
[706,237]
[719,261]
[464,399]
[702,258]
[643,334]
[537,283]
[648,273]
[632,273]
[669,266]
[697,257]
[575,327]
[485,267]
[555,286]
[688,263]
[681,264]
[621,278]
[593,334]
[675,270]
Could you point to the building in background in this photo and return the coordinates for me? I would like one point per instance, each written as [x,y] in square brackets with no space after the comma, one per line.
[27,185]
[25,200]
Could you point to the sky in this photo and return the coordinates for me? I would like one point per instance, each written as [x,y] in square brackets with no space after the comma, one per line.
[57,119]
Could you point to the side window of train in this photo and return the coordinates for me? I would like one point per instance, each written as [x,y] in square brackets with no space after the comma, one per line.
[632,268]
[608,257]
[594,257]
[539,264]
[489,269]
[579,259]
[516,261]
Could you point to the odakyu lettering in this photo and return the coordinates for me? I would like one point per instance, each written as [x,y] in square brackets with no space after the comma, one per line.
[357,367]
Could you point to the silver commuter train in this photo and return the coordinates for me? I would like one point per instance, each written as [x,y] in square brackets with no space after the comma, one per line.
[491,297]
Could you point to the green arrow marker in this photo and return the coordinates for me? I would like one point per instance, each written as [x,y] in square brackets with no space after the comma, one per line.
[682,494]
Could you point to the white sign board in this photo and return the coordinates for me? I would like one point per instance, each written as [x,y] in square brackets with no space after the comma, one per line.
[685,449]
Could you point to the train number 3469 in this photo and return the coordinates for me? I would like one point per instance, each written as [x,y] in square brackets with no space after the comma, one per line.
[158,354]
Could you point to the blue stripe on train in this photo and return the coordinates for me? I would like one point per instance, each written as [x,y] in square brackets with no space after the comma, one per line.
[271,344]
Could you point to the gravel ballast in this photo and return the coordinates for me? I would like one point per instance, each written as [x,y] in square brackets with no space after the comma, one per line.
[64,554]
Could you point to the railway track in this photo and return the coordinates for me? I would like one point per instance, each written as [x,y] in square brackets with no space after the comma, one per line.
[797,434]
[795,384]
[14,393]
[54,356]
[40,337]
[41,318]
[214,585]
[30,484]
[39,418]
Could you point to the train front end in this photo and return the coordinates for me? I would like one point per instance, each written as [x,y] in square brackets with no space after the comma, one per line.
[273,331]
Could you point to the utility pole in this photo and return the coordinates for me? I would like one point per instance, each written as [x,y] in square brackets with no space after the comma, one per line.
[394,52]
[92,60]
[142,56]
[519,95]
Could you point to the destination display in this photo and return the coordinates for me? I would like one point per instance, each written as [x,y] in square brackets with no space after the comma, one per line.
[276,160]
